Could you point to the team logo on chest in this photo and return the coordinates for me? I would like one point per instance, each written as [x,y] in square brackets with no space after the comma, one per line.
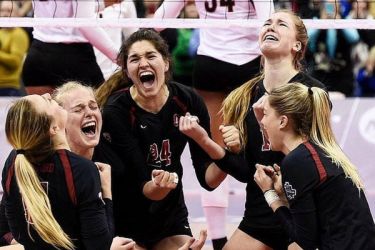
[289,191]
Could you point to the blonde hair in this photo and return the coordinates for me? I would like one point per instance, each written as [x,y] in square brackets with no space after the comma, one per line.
[236,105]
[60,92]
[310,112]
[28,130]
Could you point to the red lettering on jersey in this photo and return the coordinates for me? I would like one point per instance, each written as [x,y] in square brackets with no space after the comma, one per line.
[154,152]
[165,154]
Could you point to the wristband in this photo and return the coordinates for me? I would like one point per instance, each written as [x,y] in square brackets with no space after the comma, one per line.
[271,196]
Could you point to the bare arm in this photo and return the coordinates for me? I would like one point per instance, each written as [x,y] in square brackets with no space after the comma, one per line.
[189,126]
[161,184]
[96,36]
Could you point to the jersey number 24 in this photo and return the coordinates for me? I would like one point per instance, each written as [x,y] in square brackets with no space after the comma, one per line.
[164,155]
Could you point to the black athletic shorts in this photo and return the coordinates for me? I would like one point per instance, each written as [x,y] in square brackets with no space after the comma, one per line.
[274,237]
[214,75]
[179,227]
[56,63]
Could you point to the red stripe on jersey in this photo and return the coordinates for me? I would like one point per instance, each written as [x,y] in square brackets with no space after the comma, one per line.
[8,237]
[319,165]
[122,90]
[132,116]
[68,175]
[180,104]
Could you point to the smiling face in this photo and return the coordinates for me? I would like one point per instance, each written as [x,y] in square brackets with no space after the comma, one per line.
[84,119]
[278,36]
[272,123]
[44,103]
[146,67]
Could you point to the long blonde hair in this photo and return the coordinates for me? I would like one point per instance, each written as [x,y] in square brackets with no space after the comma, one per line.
[236,105]
[310,112]
[28,130]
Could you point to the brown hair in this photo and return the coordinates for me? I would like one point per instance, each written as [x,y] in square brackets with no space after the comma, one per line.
[115,82]
[151,36]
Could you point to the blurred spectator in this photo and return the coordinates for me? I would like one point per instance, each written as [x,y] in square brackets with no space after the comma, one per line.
[305,9]
[124,9]
[183,60]
[59,54]
[151,6]
[26,10]
[360,52]
[372,8]
[14,43]
[366,76]
[360,10]
[140,7]
[331,52]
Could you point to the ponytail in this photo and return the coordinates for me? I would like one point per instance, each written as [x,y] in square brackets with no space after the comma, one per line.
[236,106]
[37,206]
[322,135]
[115,82]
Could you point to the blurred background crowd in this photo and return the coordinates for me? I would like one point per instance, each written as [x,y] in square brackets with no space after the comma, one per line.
[343,59]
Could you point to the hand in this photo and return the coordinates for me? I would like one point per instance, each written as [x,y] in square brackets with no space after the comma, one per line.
[258,108]
[262,177]
[195,244]
[277,183]
[105,179]
[164,179]
[189,125]
[121,243]
[231,137]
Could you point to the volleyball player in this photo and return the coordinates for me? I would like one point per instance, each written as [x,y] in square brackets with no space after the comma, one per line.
[325,205]
[226,58]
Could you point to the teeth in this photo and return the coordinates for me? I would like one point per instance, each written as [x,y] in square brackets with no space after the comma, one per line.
[88,124]
[146,74]
[270,37]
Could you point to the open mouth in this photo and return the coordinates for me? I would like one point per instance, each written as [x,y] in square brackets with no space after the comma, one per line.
[89,128]
[270,38]
[147,79]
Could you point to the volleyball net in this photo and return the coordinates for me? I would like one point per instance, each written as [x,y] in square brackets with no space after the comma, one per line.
[336,21]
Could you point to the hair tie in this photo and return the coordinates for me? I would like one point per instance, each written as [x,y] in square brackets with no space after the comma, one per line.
[310,91]
[20,151]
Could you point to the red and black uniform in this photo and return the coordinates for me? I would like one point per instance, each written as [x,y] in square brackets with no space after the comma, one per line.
[327,211]
[73,187]
[146,141]
[259,221]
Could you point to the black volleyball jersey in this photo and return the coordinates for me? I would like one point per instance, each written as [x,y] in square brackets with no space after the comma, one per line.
[72,184]
[327,211]
[145,141]
[257,150]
